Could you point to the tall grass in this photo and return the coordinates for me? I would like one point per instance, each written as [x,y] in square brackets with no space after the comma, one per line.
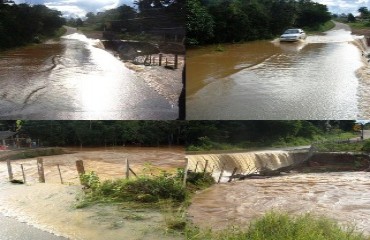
[140,190]
[281,226]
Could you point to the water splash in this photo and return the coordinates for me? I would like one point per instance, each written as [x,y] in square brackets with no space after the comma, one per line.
[245,162]
[80,37]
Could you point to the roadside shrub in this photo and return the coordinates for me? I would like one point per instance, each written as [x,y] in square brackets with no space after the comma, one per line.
[90,180]
[143,189]
[199,179]
[281,226]
[366,146]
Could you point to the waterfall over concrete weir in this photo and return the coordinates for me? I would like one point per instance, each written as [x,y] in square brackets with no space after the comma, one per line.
[245,162]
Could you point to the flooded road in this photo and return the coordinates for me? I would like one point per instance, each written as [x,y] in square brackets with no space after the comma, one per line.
[50,206]
[339,196]
[315,79]
[74,79]
[14,230]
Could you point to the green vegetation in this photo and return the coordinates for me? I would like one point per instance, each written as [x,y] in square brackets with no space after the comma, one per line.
[23,24]
[339,147]
[197,135]
[164,192]
[101,133]
[322,28]
[238,20]
[141,23]
[141,190]
[237,135]
[280,226]
[144,189]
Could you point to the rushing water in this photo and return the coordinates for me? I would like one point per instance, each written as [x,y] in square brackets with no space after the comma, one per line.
[341,196]
[244,162]
[49,206]
[74,79]
[314,79]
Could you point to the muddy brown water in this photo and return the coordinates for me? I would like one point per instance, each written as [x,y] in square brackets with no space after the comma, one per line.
[74,79]
[50,206]
[341,196]
[314,79]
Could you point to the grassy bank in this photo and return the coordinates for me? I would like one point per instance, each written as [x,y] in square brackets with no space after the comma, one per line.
[165,193]
[280,226]
[320,29]
[359,25]
[206,144]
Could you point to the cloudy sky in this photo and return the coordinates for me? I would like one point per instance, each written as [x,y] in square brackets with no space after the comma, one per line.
[345,6]
[79,8]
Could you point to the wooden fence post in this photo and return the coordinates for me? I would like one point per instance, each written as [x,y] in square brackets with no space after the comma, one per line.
[205,168]
[231,177]
[132,171]
[127,169]
[185,171]
[160,60]
[176,60]
[80,169]
[222,172]
[60,174]
[196,166]
[24,176]
[40,170]
[10,171]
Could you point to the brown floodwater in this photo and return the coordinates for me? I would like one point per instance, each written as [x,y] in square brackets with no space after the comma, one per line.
[341,196]
[50,206]
[74,79]
[314,79]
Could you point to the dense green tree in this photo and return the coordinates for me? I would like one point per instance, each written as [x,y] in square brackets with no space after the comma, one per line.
[22,24]
[351,18]
[364,11]
[241,20]
[199,23]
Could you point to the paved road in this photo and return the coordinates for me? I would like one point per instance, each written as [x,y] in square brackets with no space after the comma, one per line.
[11,229]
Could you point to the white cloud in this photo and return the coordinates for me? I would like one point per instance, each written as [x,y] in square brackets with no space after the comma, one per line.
[79,8]
[345,6]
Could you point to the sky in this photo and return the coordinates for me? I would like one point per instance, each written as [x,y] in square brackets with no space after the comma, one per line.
[345,6]
[79,8]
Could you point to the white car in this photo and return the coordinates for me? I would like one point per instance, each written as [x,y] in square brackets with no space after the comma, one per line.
[292,35]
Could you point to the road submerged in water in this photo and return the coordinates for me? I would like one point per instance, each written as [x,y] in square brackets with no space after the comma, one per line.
[75,79]
[314,79]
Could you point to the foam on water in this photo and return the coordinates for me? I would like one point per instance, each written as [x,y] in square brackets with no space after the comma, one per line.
[341,196]
[80,37]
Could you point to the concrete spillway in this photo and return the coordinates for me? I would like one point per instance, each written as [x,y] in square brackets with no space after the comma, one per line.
[245,162]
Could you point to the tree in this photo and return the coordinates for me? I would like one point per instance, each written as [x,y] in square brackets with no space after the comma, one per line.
[199,23]
[351,18]
[364,12]
[79,22]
